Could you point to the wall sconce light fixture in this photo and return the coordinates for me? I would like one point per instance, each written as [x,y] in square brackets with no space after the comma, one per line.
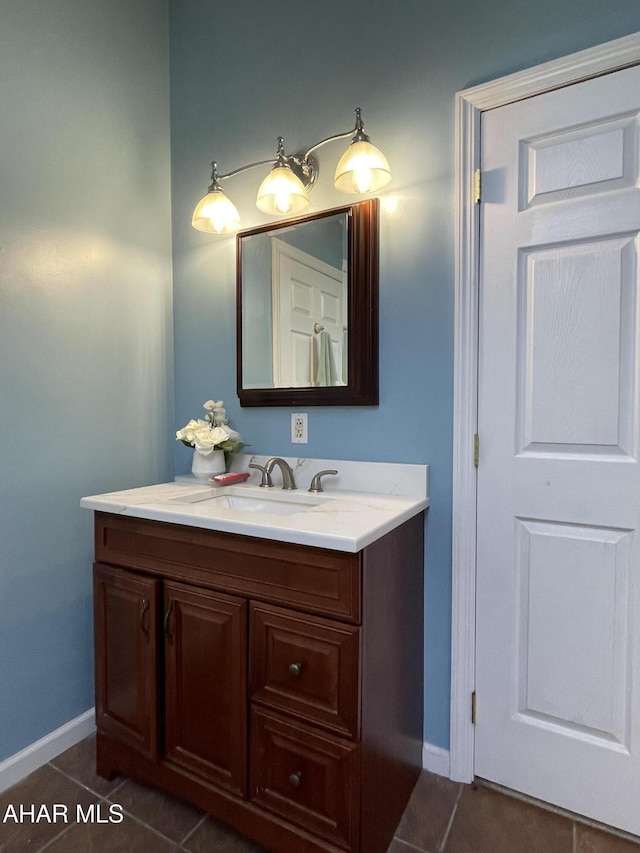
[363,168]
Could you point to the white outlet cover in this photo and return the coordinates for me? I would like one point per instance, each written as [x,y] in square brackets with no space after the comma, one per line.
[299,428]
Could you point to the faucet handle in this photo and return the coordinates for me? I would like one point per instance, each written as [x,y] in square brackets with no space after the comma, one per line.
[316,483]
[266,475]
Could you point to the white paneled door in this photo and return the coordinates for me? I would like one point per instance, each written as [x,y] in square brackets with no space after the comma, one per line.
[558,574]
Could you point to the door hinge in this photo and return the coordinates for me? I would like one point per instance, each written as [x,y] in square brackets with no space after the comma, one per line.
[477,186]
[473,708]
[476,450]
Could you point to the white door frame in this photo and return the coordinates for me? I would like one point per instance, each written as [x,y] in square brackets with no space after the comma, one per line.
[470,103]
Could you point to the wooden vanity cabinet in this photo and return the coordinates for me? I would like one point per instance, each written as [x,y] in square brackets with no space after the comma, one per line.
[276,686]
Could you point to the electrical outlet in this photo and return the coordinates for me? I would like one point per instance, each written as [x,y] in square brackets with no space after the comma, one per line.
[299,434]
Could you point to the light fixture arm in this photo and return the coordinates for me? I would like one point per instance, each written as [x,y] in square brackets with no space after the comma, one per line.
[357,132]
[325,141]
[215,177]
[305,167]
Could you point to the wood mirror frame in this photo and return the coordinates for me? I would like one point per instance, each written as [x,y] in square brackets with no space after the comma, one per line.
[363,275]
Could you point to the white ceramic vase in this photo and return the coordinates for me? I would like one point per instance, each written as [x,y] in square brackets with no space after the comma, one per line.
[205,466]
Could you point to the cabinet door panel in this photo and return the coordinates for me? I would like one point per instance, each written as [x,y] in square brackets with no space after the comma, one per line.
[307,777]
[125,621]
[307,666]
[206,692]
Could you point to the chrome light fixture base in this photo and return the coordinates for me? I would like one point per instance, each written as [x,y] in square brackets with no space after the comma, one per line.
[305,167]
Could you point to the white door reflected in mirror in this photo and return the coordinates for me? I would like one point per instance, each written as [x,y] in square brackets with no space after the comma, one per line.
[309,319]
[295,296]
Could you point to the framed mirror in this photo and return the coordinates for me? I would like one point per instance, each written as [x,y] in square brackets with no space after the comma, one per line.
[307,310]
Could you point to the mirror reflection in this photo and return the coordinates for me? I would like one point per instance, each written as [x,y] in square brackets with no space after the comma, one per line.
[295,298]
[307,310]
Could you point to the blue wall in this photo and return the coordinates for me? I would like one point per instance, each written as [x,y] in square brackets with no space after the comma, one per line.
[243,73]
[86,375]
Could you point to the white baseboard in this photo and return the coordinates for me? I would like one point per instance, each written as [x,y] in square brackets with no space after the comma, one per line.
[435,759]
[16,767]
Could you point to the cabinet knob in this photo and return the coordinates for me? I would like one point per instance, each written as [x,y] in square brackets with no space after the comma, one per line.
[295,669]
[295,779]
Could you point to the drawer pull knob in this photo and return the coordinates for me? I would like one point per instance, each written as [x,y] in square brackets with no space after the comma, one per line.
[295,779]
[295,669]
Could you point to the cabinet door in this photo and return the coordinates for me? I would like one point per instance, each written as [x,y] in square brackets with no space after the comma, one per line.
[206,684]
[125,624]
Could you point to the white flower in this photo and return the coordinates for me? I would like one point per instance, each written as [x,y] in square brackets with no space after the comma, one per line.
[187,432]
[214,432]
[216,413]
[207,438]
[232,435]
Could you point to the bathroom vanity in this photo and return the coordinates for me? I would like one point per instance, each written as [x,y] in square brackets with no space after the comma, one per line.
[266,663]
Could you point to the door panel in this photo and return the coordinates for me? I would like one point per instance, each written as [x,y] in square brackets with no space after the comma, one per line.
[573,652]
[596,157]
[577,326]
[206,692]
[558,598]
[125,616]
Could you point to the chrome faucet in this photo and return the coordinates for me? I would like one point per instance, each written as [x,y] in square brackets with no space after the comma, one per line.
[288,481]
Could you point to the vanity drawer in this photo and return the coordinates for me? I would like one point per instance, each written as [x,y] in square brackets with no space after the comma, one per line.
[306,666]
[314,579]
[307,777]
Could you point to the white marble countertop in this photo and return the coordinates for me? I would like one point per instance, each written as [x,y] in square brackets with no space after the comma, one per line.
[341,518]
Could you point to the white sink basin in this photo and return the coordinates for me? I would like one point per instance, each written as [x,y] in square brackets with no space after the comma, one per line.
[244,500]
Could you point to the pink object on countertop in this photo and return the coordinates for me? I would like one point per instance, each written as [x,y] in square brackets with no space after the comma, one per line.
[229,479]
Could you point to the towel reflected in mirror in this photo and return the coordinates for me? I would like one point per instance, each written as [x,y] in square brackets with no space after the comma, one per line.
[326,373]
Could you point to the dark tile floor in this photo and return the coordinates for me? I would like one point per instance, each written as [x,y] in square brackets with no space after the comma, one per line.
[442,817]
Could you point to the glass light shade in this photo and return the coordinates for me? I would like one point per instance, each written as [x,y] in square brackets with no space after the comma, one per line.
[215,214]
[281,193]
[363,168]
